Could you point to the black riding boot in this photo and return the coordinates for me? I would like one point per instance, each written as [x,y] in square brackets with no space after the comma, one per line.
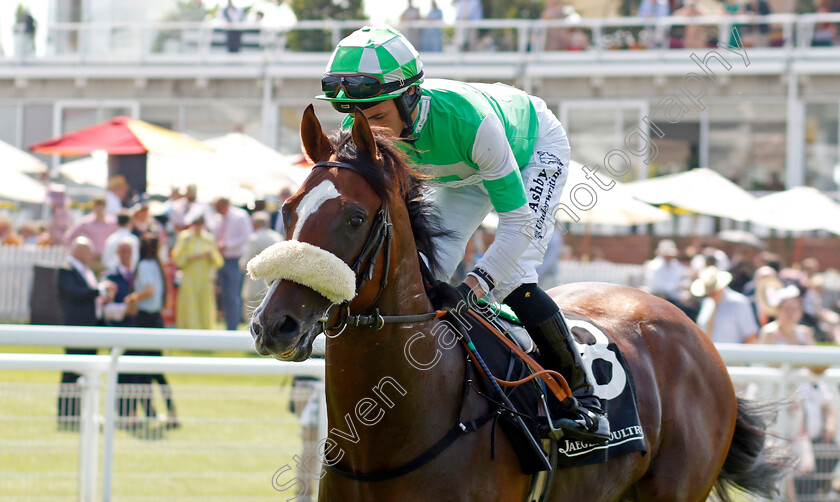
[542,318]
[587,420]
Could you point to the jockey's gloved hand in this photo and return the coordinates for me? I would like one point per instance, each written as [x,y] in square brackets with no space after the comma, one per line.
[444,296]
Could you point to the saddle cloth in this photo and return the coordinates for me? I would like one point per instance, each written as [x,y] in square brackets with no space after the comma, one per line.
[607,369]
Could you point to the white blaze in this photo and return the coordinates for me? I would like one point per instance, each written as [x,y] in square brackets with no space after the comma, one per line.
[311,202]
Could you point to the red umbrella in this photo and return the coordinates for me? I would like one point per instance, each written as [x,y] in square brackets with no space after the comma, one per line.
[127,142]
[119,136]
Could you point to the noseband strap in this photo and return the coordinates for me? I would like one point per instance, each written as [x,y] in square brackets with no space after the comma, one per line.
[378,242]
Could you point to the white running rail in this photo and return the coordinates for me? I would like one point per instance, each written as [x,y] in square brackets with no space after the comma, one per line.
[93,367]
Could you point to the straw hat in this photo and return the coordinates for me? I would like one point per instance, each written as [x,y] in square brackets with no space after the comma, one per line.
[195,214]
[57,194]
[117,181]
[767,282]
[710,280]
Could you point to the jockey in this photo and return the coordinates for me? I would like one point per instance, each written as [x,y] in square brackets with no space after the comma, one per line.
[485,147]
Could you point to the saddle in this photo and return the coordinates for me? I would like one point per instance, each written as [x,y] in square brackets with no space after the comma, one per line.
[518,411]
[528,403]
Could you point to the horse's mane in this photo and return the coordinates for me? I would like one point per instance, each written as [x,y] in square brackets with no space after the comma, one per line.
[394,178]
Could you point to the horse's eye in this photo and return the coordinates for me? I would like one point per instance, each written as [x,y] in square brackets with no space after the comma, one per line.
[355,221]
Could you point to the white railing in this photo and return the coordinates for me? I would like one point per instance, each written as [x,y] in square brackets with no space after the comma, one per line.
[93,367]
[16,264]
[780,380]
[597,38]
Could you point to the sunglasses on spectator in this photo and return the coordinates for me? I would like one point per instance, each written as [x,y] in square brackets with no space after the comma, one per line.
[362,86]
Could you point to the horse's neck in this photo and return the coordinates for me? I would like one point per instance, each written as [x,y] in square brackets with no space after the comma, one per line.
[395,388]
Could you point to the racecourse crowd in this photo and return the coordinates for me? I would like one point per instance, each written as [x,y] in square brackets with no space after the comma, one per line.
[269,20]
[757,299]
[136,262]
[202,249]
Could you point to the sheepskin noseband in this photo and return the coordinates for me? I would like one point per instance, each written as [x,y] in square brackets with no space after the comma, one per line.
[307,265]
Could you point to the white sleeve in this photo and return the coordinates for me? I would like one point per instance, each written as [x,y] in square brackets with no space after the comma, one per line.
[497,167]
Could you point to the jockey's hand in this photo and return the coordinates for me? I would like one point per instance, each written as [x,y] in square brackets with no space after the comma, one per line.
[444,296]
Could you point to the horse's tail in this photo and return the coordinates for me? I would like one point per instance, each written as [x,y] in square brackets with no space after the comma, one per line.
[751,465]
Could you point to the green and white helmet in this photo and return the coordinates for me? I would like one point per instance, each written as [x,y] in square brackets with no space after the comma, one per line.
[379,52]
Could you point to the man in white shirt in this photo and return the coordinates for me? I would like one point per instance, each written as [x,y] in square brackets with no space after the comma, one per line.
[110,259]
[232,227]
[118,188]
[725,315]
[664,275]
[81,298]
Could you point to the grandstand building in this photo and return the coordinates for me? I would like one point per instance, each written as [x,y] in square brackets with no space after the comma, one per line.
[757,101]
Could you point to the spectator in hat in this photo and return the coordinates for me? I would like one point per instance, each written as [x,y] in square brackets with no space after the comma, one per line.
[196,254]
[725,315]
[8,236]
[142,221]
[664,275]
[96,226]
[118,190]
[812,419]
[29,232]
[148,299]
[181,206]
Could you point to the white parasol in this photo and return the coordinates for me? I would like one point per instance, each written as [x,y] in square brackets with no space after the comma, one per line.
[700,191]
[800,208]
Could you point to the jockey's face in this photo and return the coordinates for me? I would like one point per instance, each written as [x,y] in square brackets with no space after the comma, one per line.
[385,114]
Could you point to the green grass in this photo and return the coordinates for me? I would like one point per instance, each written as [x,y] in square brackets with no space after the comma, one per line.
[236,432]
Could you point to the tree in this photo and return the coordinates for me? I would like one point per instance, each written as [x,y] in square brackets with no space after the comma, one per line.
[513,9]
[321,40]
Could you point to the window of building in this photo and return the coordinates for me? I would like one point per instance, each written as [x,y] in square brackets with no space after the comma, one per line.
[211,120]
[678,149]
[37,126]
[166,116]
[596,129]
[8,124]
[288,127]
[822,145]
[748,142]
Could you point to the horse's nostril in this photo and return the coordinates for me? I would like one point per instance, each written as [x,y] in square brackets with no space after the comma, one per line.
[287,326]
[256,327]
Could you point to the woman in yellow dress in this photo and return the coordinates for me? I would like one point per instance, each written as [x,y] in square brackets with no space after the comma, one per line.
[197,255]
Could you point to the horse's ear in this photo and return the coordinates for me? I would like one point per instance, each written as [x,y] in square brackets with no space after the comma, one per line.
[316,145]
[363,136]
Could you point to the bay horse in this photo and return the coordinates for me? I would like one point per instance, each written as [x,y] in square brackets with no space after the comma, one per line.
[360,213]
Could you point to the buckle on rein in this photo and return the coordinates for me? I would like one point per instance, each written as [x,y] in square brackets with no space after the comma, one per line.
[375,321]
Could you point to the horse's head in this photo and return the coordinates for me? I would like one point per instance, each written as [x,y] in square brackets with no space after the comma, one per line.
[338,229]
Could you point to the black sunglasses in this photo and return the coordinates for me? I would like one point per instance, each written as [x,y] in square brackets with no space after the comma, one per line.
[362,86]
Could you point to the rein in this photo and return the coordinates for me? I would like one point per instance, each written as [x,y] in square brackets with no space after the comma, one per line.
[378,243]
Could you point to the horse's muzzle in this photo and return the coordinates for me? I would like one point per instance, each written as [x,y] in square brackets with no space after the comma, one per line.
[279,337]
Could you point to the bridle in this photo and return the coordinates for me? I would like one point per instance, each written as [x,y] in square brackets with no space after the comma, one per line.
[378,243]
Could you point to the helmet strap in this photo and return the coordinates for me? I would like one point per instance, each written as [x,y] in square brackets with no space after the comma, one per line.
[406,104]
